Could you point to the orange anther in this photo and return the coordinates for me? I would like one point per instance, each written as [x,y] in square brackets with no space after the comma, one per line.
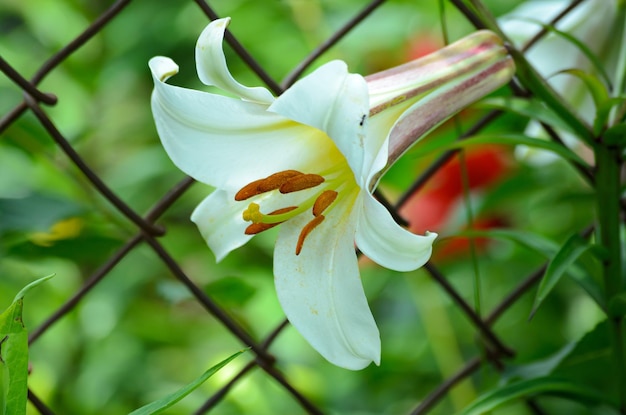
[260,186]
[323,201]
[259,227]
[304,181]
[307,230]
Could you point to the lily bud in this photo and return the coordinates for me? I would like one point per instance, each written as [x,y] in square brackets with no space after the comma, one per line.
[444,82]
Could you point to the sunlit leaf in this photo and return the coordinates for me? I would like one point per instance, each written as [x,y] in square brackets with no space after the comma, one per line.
[166,402]
[566,256]
[528,388]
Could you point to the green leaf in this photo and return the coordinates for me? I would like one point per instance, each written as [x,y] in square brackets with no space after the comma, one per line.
[532,241]
[527,388]
[567,255]
[600,96]
[14,360]
[166,402]
[582,47]
[548,249]
[588,362]
[616,135]
[617,305]
[503,139]
[531,108]
[538,86]
[32,285]
[14,355]
[539,368]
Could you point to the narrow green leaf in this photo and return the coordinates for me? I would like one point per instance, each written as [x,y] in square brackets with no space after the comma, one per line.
[532,387]
[600,96]
[166,402]
[503,139]
[32,285]
[532,241]
[542,90]
[548,249]
[526,107]
[567,255]
[582,47]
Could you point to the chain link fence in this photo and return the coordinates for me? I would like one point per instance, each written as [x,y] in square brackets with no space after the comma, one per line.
[151,226]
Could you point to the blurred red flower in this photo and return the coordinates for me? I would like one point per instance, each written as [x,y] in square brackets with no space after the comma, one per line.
[432,207]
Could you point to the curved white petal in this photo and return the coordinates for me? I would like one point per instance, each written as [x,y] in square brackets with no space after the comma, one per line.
[321,293]
[226,142]
[212,68]
[336,102]
[219,220]
[385,242]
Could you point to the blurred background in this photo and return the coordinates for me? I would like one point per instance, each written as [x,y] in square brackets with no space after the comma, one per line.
[140,334]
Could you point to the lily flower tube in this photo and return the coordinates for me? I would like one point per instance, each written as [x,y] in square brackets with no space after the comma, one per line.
[308,161]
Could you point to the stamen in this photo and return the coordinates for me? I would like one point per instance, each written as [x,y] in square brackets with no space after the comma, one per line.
[323,201]
[259,227]
[304,181]
[306,231]
[261,186]
[253,214]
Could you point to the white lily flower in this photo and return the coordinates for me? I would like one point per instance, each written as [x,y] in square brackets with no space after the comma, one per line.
[309,160]
[592,23]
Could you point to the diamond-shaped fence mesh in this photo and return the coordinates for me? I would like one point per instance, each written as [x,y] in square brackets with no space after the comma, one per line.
[138,307]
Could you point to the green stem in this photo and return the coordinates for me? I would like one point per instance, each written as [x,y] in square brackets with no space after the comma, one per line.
[620,72]
[608,195]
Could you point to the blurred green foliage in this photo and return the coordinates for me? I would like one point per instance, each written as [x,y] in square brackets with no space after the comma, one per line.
[139,334]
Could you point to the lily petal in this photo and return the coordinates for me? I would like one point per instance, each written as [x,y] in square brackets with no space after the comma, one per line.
[222,141]
[218,217]
[336,102]
[385,242]
[212,68]
[321,292]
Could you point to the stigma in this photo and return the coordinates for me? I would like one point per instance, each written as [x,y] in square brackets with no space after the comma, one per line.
[285,182]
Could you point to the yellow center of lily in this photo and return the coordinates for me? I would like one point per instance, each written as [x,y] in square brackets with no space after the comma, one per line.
[329,187]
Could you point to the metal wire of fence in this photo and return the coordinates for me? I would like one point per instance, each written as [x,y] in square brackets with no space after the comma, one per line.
[149,231]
